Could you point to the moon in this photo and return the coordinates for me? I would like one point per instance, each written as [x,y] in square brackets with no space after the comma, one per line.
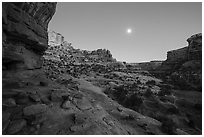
[129,30]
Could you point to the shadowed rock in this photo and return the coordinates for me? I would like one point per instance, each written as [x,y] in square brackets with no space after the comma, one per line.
[35,109]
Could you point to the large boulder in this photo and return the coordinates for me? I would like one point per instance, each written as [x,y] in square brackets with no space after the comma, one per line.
[16,126]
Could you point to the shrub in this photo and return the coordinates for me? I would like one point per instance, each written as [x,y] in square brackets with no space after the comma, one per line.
[120,93]
[163,99]
[43,83]
[133,102]
[172,110]
[168,126]
[165,90]
[139,82]
[150,82]
[198,106]
[148,93]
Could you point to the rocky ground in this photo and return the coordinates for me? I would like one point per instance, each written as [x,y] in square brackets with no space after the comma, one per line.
[73,91]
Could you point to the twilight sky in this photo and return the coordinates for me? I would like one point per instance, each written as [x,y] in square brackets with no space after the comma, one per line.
[156,27]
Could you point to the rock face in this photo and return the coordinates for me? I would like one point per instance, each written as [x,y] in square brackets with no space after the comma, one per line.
[55,38]
[184,66]
[25,33]
[195,47]
[149,66]
[24,40]
[63,51]
[62,57]
[192,52]
[178,55]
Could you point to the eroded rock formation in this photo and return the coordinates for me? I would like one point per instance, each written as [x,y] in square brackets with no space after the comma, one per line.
[55,38]
[184,66]
[195,47]
[25,34]
[61,56]
[149,66]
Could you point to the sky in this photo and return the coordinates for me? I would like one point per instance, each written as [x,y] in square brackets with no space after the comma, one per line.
[155,27]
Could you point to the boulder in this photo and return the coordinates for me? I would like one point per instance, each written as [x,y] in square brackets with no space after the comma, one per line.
[35,97]
[22,98]
[10,102]
[82,103]
[35,109]
[59,95]
[16,126]
[67,104]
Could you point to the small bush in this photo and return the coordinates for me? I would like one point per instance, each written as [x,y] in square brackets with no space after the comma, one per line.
[168,126]
[120,93]
[173,110]
[163,99]
[150,82]
[133,102]
[43,84]
[165,90]
[139,82]
[148,93]
[161,93]
[198,106]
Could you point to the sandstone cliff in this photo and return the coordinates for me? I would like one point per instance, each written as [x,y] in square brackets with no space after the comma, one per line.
[195,47]
[25,34]
[184,65]
[64,51]
[61,56]
[149,66]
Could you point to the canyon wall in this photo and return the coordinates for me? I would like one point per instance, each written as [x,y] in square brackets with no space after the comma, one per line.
[184,66]
[195,47]
[24,36]
[62,51]
[192,52]
[177,55]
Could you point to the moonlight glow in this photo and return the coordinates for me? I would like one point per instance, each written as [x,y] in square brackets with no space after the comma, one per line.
[129,30]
